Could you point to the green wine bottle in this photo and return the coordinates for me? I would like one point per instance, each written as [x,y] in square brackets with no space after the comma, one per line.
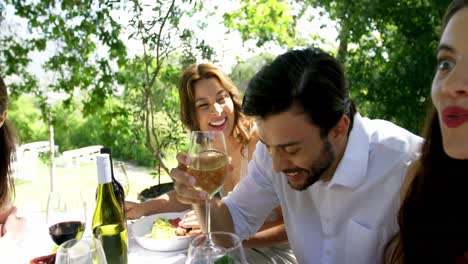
[108,220]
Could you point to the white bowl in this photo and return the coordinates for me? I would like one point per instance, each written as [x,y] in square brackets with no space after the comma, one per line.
[143,226]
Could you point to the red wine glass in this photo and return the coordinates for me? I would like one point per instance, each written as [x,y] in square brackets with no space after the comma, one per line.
[66,216]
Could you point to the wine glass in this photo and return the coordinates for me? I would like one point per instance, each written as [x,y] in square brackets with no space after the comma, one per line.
[87,250]
[120,174]
[232,251]
[66,216]
[209,166]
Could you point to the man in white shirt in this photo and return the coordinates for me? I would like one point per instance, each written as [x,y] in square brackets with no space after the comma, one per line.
[335,174]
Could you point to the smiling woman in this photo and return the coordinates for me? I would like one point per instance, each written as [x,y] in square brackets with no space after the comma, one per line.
[433,219]
[209,101]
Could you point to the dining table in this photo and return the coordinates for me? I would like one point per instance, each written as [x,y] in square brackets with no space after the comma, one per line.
[37,242]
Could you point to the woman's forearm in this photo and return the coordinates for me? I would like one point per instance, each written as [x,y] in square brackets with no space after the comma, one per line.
[163,204]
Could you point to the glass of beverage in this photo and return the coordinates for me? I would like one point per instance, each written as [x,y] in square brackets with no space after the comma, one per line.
[230,246]
[209,167]
[120,174]
[87,250]
[66,216]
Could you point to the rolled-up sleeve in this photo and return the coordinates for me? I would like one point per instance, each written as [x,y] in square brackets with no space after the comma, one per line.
[254,197]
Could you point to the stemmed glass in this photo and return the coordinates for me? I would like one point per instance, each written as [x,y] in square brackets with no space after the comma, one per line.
[66,216]
[209,166]
[81,251]
[230,243]
[120,174]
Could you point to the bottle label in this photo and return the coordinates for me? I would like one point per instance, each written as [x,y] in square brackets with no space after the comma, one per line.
[103,168]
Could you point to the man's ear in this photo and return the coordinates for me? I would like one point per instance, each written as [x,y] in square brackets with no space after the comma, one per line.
[3,118]
[341,129]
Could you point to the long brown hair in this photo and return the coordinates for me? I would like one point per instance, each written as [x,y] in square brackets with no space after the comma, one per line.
[7,147]
[242,124]
[433,218]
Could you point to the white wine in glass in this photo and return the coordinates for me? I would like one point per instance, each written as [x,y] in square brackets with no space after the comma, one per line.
[209,166]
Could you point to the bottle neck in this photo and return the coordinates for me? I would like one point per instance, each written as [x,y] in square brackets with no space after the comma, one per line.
[104,178]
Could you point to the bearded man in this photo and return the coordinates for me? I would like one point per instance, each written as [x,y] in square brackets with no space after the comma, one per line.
[335,174]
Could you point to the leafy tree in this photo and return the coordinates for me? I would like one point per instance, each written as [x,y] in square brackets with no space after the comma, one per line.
[243,71]
[89,55]
[387,47]
[263,21]
[26,117]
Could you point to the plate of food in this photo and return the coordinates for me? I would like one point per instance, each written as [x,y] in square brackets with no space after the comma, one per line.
[161,232]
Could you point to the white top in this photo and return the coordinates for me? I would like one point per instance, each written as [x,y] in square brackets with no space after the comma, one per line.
[347,220]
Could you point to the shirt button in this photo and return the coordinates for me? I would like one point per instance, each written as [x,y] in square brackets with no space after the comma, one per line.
[327,220]
[327,252]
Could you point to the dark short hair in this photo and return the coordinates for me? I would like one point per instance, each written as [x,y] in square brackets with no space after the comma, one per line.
[310,78]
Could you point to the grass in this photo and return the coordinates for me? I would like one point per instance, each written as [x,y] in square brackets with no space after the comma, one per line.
[32,191]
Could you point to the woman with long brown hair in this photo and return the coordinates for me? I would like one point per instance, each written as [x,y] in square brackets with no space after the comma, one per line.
[433,217]
[209,100]
[11,227]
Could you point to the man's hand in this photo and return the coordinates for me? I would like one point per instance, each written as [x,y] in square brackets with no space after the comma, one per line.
[183,182]
[190,221]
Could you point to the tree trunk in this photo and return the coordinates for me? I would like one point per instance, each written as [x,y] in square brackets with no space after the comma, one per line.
[343,47]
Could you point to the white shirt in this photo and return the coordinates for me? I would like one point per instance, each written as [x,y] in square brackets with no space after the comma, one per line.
[346,220]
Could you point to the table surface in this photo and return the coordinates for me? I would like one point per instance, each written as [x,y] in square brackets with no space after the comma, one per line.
[38,243]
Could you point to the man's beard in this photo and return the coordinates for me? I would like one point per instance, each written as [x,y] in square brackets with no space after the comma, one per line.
[318,168]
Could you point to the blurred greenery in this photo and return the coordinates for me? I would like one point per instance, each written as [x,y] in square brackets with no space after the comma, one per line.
[36,182]
[129,101]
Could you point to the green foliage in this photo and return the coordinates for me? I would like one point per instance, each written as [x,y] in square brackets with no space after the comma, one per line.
[242,72]
[109,126]
[90,56]
[76,29]
[23,112]
[391,69]
[386,46]
[263,21]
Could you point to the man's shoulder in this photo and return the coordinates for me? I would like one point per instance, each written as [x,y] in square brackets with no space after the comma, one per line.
[389,135]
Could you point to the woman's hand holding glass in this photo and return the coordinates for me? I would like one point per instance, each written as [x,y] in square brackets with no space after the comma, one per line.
[208,169]
[184,182]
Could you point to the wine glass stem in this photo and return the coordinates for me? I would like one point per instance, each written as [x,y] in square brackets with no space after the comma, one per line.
[208,219]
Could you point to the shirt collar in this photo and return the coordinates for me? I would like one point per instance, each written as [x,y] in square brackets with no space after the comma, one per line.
[352,169]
